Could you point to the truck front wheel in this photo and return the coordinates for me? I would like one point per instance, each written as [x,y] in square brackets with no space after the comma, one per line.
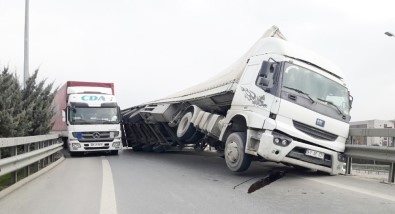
[235,156]
[75,154]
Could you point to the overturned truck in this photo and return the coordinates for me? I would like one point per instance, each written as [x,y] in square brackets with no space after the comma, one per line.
[278,103]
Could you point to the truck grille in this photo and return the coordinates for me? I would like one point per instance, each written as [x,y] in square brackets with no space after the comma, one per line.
[314,132]
[96,148]
[93,136]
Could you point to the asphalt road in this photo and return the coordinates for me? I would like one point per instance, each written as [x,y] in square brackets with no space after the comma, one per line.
[192,182]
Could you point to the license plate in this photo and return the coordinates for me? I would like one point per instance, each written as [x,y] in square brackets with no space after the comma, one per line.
[315,154]
[96,144]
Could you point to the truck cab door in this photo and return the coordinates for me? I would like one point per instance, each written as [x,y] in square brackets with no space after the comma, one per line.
[249,96]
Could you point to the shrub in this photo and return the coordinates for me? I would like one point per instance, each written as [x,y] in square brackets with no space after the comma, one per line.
[25,111]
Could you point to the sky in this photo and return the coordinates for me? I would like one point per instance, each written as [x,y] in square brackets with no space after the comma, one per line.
[152,48]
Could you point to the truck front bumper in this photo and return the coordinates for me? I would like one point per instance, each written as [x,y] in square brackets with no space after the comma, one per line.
[295,153]
[76,146]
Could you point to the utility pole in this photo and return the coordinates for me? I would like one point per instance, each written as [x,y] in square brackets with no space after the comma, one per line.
[26,46]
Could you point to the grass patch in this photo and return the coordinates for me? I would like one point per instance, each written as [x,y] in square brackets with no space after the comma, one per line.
[5,181]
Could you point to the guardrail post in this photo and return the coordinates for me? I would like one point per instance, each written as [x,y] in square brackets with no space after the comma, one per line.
[348,165]
[27,149]
[14,177]
[391,173]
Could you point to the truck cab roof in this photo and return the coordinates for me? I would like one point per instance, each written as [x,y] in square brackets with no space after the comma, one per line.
[273,45]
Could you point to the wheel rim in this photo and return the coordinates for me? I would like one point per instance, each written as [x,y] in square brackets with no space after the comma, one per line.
[184,123]
[183,126]
[232,152]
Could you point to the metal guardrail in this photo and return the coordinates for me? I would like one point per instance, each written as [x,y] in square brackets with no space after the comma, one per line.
[376,153]
[22,156]
[371,168]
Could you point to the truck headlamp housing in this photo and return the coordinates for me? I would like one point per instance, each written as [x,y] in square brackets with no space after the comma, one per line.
[281,139]
[76,145]
[341,157]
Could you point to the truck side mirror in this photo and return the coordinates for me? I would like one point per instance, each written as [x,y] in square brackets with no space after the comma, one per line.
[263,72]
[119,115]
[263,81]
[266,74]
[63,116]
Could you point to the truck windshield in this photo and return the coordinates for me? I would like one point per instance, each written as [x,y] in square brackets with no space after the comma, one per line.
[317,86]
[98,115]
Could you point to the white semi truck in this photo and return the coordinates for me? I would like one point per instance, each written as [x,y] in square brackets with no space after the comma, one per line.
[87,117]
[278,103]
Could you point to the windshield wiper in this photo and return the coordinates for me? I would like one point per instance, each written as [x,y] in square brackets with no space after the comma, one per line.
[80,121]
[301,92]
[332,104]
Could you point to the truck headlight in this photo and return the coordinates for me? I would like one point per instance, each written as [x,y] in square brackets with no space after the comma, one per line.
[76,145]
[284,142]
[341,157]
[116,144]
[280,139]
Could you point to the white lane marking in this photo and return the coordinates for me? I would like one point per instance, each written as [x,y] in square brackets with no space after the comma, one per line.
[108,203]
[354,189]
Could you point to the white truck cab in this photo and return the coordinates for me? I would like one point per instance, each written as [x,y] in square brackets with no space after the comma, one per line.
[93,120]
[297,107]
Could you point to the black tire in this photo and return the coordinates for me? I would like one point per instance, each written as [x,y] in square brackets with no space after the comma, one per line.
[137,148]
[185,129]
[114,152]
[147,148]
[195,137]
[64,139]
[159,149]
[74,154]
[236,158]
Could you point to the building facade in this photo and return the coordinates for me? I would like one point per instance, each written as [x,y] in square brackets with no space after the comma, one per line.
[373,141]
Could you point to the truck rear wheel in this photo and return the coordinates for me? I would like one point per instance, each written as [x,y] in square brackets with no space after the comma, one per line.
[235,156]
[185,129]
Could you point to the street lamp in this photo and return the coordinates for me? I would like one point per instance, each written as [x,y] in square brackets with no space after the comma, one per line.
[389,34]
[26,46]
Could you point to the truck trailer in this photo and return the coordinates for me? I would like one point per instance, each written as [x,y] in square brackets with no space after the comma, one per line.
[278,102]
[87,117]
